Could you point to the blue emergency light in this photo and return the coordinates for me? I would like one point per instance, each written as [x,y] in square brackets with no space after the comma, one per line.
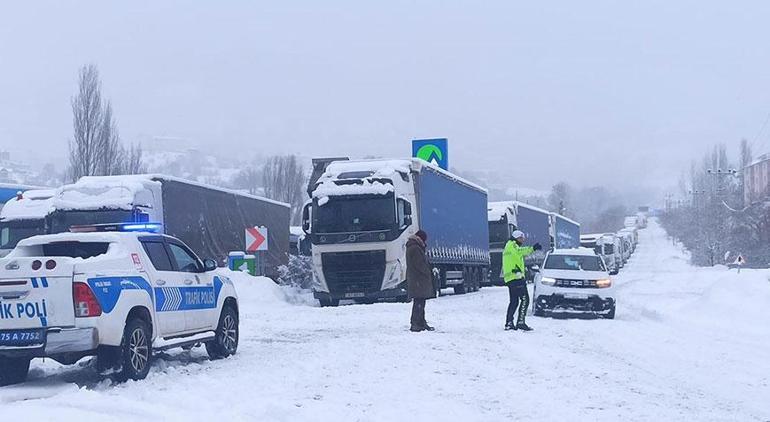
[119,227]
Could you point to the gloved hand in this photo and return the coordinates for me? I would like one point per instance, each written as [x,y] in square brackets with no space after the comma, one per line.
[537,247]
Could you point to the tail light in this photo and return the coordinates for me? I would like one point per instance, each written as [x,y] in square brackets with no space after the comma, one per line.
[86,304]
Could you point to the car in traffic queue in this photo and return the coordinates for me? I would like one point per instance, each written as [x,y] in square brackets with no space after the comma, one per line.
[115,291]
[574,281]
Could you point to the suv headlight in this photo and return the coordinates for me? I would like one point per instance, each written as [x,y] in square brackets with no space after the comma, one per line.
[548,281]
[605,282]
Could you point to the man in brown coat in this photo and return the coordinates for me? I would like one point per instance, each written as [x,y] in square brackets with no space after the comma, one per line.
[419,278]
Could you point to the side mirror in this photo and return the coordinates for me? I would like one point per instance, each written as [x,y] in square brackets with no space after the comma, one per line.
[614,272]
[405,213]
[306,218]
[209,265]
[536,268]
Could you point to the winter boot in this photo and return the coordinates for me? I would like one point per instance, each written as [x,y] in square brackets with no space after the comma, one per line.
[416,329]
[524,327]
[428,327]
[509,326]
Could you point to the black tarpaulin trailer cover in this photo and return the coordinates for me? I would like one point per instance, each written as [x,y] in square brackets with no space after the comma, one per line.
[213,221]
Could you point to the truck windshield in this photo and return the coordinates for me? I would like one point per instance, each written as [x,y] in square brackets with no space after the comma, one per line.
[498,231]
[61,221]
[574,262]
[11,232]
[609,249]
[349,214]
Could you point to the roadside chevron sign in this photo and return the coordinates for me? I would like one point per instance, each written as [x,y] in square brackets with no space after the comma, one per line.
[434,151]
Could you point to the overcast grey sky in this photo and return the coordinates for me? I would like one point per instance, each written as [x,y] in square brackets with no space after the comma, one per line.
[576,90]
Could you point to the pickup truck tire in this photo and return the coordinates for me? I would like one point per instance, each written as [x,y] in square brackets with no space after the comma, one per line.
[136,351]
[226,341]
[13,370]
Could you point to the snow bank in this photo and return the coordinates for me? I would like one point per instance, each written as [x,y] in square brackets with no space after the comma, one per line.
[261,293]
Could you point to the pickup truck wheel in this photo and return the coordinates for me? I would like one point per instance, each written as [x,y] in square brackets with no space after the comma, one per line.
[135,351]
[13,370]
[226,341]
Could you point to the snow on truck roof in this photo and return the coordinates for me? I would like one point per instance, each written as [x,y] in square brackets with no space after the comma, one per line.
[386,168]
[569,220]
[496,210]
[531,207]
[95,192]
[33,205]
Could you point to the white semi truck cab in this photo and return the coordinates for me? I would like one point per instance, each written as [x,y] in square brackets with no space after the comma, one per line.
[362,213]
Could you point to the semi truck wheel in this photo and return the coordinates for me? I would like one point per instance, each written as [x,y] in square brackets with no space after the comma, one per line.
[13,370]
[325,303]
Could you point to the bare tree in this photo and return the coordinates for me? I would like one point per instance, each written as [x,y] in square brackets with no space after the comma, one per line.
[111,152]
[87,122]
[134,161]
[559,198]
[283,178]
[248,178]
[96,148]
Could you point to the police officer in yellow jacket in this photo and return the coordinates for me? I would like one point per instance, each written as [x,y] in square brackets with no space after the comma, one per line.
[514,273]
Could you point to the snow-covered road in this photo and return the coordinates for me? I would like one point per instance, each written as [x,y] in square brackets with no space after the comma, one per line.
[687,344]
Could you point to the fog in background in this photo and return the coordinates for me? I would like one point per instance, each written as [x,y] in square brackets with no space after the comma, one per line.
[594,93]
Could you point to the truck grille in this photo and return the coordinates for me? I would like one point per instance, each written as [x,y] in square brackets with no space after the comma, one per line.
[349,272]
[560,282]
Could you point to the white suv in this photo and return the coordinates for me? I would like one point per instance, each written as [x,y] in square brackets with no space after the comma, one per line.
[574,280]
[113,294]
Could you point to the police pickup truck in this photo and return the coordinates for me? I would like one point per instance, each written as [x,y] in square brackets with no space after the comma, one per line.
[117,292]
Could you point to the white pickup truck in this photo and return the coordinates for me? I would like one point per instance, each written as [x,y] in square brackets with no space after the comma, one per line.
[110,293]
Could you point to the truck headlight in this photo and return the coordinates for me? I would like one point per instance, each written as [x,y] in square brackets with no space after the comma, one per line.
[548,281]
[605,282]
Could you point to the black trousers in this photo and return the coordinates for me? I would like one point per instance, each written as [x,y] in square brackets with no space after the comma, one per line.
[418,313]
[519,298]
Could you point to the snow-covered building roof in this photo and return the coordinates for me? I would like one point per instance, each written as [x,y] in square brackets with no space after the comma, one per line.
[33,205]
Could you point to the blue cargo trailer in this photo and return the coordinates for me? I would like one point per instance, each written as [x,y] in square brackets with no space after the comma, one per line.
[536,225]
[566,232]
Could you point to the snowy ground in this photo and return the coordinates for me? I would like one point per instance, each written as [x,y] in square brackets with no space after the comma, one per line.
[687,344]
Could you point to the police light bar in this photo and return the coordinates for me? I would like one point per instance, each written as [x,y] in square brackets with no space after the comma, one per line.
[120,227]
